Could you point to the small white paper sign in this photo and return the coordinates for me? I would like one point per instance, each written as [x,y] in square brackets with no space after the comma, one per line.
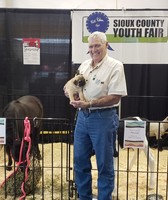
[2,130]
[31,51]
[134,134]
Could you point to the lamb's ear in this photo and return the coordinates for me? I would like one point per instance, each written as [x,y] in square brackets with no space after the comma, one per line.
[75,82]
[77,72]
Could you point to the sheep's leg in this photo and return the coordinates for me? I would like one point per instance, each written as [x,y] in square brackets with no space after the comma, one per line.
[135,153]
[151,164]
[9,165]
[71,97]
[115,170]
[131,163]
[81,96]
[115,159]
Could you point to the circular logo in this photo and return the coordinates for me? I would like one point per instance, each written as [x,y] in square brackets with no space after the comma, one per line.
[97,21]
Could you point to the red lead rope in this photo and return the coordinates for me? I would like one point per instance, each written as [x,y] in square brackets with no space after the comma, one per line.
[27,138]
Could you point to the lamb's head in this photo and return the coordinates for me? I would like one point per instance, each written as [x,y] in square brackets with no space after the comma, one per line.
[79,80]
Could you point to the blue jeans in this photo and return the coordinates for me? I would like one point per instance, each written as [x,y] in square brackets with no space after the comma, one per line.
[95,131]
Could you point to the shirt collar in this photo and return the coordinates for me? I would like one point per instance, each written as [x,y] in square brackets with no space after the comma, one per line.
[99,64]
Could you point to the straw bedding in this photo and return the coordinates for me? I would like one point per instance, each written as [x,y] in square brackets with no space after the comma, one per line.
[52,175]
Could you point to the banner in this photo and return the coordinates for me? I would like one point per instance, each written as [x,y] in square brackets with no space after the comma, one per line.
[135,37]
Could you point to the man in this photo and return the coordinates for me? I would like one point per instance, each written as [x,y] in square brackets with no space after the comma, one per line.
[97,118]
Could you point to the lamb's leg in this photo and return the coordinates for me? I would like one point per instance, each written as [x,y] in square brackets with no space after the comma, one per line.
[115,170]
[115,159]
[81,96]
[71,97]
[151,164]
[131,163]
[9,166]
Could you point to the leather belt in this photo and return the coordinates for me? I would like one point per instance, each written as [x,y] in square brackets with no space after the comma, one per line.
[97,110]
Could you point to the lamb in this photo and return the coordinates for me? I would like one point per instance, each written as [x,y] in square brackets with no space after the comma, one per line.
[146,151]
[75,87]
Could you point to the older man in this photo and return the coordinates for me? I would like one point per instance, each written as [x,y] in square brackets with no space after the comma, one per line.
[97,119]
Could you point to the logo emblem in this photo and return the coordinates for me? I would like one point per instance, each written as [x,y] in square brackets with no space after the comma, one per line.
[97,21]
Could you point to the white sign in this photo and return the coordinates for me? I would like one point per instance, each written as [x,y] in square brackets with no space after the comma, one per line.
[137,37]
[134,134]
[2,130]
[31,51]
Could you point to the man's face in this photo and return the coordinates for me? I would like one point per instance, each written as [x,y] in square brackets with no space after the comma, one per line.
[97,49]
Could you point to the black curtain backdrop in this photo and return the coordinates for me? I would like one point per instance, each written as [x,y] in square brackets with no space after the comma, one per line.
[46,81]
[147,91]
[147,84]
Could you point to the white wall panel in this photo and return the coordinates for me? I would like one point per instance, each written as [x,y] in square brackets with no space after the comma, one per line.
[64,4]
[2,4]
[136,4]
[85,4]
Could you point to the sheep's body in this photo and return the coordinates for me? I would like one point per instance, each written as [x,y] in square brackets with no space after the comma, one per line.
[158,129]
[153,129]
[146,151]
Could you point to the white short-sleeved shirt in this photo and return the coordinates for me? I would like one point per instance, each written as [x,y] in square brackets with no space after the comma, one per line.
[106,78]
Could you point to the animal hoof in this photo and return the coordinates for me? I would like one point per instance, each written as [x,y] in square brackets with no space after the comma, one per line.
[114,194]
